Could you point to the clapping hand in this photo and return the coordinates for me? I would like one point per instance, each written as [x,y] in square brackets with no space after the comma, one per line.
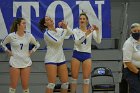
[89,30]
[94,28]
[63,24]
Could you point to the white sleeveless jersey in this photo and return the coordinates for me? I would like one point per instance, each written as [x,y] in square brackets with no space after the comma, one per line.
[20,49]
[83,43]
[54,41]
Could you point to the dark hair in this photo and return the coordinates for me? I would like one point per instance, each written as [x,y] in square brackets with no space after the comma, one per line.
[83,13]
[15,23]
[42,27]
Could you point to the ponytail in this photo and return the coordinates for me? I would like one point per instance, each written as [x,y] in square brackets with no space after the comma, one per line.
[15,23]
[42,27]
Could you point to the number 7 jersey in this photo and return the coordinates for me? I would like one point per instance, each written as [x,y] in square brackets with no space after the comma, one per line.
[20,49]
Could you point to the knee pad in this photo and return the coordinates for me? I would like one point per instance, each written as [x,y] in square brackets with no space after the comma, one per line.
[65,85]
[12,90]
[26,91]
[51,85]
[73,81]
[86,81]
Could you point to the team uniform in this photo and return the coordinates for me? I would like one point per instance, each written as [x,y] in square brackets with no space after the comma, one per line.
[131,53]
[54,41]
[20,49]
[82,45]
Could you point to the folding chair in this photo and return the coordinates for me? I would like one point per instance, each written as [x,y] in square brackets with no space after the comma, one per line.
[103,72]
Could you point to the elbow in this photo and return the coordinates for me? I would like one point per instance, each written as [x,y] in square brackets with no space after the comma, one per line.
[1,43]
[57,42]
[69,30]
[3,47]
[77,42]
[98,41]
[38,45]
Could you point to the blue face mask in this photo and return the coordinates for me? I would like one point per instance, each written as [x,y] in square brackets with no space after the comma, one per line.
[136,36]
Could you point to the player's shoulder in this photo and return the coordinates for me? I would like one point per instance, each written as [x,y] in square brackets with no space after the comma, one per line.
[59,29]
[76,29]
[11,34]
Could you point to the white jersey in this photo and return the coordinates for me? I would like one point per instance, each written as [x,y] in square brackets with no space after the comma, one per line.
[131,52]
[83,42]
[20,49]
[54,41]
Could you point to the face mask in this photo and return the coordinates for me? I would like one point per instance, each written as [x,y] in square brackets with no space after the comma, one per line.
[136,36]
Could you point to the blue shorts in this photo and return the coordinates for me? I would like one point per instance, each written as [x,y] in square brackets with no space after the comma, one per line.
[81,56]
[57,64]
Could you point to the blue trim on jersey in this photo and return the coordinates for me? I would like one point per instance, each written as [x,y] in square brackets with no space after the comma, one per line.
[8,45]
[81,38]
[51,36]
[81,56]
[57,64]
[73,37]
[62,32]
[4,38]
[84,42]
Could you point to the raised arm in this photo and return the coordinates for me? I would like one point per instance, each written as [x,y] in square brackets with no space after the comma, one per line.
[97,35]
[48,36]
[78,38]
[64,25]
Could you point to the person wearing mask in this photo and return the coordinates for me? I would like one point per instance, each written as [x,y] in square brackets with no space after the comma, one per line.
[131,59]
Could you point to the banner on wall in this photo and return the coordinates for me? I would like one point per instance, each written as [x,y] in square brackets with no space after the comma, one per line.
[98,12]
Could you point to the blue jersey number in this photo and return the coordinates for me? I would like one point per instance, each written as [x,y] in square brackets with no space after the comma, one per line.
[84,42]
[21,46]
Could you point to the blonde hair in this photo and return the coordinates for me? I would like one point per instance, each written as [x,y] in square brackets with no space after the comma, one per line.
[134,25]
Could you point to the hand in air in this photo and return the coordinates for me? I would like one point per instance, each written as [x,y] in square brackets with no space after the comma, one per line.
[89,30]
[63,24]
[94,28]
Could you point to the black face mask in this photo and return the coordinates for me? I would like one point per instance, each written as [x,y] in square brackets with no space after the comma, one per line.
[136,36]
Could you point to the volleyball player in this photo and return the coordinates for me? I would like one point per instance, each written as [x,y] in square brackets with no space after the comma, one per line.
[55,62]
[20,62]
[82,51]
